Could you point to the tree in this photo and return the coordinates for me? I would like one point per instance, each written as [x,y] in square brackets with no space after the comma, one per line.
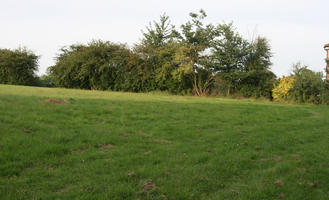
[158,50]
[230,56]
[308,86]
[258,80]
[186,60]
[18,67]
[92,66]
[194,58]
[303,86]
[159,33]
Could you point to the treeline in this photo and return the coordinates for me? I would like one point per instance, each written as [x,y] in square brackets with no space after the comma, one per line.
[196,58]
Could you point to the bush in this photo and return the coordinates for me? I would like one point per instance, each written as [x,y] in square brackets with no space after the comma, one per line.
[97,65]
[283,91]
[308,86]
[18,67]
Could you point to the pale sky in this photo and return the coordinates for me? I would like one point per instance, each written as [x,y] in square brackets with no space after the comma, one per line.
[297,29]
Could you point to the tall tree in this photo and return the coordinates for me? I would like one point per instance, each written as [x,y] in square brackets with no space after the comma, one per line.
[158,49]
[259,79]
[196,38]
[18,67]
[229,56]
[308,86]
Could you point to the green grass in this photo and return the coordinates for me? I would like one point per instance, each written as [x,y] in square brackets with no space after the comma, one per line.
[109,145]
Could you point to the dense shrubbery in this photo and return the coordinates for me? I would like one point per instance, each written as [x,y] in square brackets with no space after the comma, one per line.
[18,67]
[302,86]
[188,60]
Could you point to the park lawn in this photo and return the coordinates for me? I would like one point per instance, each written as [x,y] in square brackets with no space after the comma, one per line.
[111,145]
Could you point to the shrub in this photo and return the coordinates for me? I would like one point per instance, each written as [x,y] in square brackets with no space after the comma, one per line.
[18,67]
[283,91]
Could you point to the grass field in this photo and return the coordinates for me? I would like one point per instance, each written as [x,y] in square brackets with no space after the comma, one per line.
[109,145]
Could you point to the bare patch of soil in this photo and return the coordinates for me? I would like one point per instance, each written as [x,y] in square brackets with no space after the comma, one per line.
[104,147]
[280,183]
[27,130]
[148,186]
[132,174]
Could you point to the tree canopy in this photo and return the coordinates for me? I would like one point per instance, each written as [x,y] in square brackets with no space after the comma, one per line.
[18,66]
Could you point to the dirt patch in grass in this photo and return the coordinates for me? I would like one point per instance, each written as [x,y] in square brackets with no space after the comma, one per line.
[148,186]
[315,184]
[132,174]
[279,182]
[27,130]
[60,101]
[104,147]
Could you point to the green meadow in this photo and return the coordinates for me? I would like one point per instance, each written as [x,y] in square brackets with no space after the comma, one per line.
[80,144]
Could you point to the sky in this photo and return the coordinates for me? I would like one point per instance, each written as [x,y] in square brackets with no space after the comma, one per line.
[297,29]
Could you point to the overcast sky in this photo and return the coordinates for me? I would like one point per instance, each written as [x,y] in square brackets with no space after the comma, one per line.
[297,29]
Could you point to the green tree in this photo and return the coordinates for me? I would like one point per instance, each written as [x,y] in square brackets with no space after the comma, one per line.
[257,80]
[18,67]
[92,66]
[194,57]
[158,50]
[230,56]
[309,85]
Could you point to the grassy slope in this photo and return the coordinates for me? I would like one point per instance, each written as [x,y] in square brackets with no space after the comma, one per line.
[172,147]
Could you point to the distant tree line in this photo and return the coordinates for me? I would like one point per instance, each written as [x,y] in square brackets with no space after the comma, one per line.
[196,58]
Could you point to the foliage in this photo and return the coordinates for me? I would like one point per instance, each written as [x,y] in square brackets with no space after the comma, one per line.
[308,86]
[181,61]
[230,56]
[241,66]
[197,37]
[92,66]
[45,81]
[158,51]
[283,91]
[18,67]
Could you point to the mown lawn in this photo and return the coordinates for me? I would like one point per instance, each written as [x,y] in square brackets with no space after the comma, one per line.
[109,145]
